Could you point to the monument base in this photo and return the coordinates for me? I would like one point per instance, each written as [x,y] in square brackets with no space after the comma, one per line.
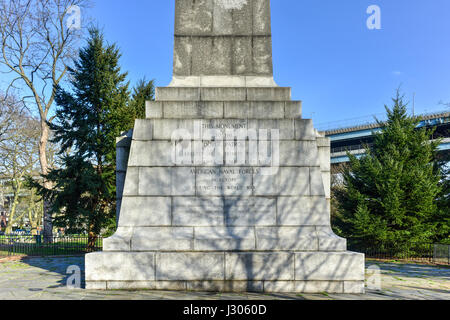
[270,272]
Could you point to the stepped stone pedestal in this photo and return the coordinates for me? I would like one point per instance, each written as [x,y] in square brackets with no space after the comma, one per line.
[192,222]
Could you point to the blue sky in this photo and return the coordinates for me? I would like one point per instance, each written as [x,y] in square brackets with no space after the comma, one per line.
[321,48]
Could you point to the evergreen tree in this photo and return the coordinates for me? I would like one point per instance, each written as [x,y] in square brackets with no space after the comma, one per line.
[389,196]
[144,91]
[88,119]
[443,227]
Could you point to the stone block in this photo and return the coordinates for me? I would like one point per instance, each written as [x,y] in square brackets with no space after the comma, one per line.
[153,109]
[224,238]
[241,63]
[120,266]
[131,182]
[237,109]
[223,94]
[177,94]
[163,239]
[354,287]
[211,56]
[319,286]
[304,130]
[324,158]
[286,238]
[166,129]
[285,127]
[326,178]
[194,17]
[262,57]
[329,241]
[131,285]
[293,181]
[254,211]
[122,156]
[302,211]
[323,142]
[261,17]
[152,154]
[222,81]
[269,94]
[243,19]
[259,266]
[225,286]
[190,266]
[222,20]
[145,212]
[120,183]
[299,153]
[120,241]
[287,181]
[182,56]
[95,285]
[329,266]
[316,182]
[224,181]
[166,181]
[255,110]
[171,285]
[279,286]
[217,128]
[193,110]
[190,211]
[147,285]
[293,109]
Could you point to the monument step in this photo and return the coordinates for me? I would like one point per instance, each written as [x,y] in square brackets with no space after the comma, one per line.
[145,239]
[234,286]
[163,153]
[280,271]
[223,109]
[201,129]
[223,94]
[222,181]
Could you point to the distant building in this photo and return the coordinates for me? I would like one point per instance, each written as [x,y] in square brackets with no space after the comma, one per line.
[353,136]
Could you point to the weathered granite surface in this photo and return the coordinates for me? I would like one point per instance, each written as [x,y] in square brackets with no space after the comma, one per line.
[189,219]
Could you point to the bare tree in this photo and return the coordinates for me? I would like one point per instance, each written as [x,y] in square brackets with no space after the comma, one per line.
[36,48]
[10,108]
[19,158]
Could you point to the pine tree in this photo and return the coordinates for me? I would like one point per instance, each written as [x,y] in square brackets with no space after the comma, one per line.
[389,196]
[88,119]
[144,91]
[443,218]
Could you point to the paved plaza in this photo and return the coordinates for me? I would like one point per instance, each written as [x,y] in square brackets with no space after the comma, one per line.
[46,278]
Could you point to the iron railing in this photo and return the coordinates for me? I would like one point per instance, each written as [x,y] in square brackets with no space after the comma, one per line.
[421,252]
[40,246]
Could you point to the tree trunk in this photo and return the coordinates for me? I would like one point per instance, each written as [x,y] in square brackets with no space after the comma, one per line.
[12,213]
[32,214]
[47,223]
[92,238]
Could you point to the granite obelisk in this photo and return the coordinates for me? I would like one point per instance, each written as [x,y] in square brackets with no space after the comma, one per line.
[226,185]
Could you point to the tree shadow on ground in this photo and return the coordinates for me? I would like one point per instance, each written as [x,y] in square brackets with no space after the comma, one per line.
[59,265]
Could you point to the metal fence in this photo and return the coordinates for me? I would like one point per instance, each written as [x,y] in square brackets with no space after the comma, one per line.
[421,252]
[38,246]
